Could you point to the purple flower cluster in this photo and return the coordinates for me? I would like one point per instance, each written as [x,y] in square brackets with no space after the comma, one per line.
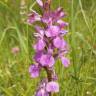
[45,87]
[50,45]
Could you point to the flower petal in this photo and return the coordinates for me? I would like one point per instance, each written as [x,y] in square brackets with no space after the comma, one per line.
[38,56]
[41,92]
[47,60]
[52,87]
[40,45]
[52,31]
[59,13]
[65,61]
[33,17]
[59,42]
[39,30]
[62,24]
[63,32]
[34,70]
[40,2]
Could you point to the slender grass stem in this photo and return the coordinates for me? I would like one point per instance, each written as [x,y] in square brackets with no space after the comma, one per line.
[73,45]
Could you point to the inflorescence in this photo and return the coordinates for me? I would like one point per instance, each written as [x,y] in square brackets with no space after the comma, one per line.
[49,46]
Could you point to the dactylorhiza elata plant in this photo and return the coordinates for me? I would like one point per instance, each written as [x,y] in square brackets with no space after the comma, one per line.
[49,46]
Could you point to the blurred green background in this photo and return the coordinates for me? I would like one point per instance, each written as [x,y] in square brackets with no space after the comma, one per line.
[77,80]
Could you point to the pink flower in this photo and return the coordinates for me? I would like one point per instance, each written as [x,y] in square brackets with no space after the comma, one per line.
[62,24]
[65,61]
[33,17]
[52,87]
[40,31]
[37,56]
[39,45]
[15,50]
[47,60]
[59,43]
[50,45]
[34,70]
[40,2]
[52,31]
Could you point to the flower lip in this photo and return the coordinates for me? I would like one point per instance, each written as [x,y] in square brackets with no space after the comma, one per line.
[65,61]
[52,31]
[59,43]
[38,56]
[47,60]
[52,87]
[34,70]
[40,45]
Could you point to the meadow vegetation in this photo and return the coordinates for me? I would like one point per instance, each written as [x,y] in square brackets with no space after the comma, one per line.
[77,80]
